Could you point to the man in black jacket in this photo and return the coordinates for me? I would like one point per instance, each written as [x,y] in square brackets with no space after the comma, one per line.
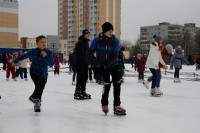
[82,47]
[4,60]
[106,47]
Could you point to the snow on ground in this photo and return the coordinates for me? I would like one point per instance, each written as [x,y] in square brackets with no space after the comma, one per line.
[177,111]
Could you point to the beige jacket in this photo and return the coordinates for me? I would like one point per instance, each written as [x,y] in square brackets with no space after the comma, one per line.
[23,63]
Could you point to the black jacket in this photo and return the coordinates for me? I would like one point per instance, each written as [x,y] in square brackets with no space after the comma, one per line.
[82,47]
[106,49]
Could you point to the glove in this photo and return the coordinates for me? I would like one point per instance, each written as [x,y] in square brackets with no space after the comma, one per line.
[165,67]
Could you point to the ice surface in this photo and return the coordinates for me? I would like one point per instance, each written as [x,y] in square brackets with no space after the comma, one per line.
[177,111]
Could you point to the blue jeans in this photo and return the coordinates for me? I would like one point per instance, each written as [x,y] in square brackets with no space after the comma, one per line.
[154,73]
[158,78]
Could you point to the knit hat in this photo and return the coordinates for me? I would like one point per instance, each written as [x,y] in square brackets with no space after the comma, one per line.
[168,47]
[106,27]
[157,38]
[85,31]
[122,48]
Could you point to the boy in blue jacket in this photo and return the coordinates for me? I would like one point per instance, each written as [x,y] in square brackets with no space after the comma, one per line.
[41,59]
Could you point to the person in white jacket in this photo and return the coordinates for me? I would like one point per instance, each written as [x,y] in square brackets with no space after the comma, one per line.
[153,62]
[23,66]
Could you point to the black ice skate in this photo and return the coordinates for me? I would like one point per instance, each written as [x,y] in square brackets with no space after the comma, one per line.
[78,95]
[33,100]
[37,106]
[105,109]
[118,110]
[85,95]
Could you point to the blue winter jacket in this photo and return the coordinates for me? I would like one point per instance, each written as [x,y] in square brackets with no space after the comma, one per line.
[39,64]
[107,50]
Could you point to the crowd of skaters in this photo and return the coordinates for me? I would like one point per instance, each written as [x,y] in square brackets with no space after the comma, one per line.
[103,58]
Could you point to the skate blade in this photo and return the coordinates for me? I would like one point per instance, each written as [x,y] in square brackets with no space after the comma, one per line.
[120,113]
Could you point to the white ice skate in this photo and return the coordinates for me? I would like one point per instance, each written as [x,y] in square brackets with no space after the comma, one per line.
[73,83]
[146,84]
[178,80]
[175,80]
[7,79]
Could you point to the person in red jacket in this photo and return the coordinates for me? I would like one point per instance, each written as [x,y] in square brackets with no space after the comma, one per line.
[165,53]
[10,66]
[140,66]
[57,62]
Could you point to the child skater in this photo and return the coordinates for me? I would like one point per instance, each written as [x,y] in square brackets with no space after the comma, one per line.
[165,53]
[41,59]
[57,62]
[140,66]
[153,63]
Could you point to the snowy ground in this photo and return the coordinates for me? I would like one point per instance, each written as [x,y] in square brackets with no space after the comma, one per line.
[177,111]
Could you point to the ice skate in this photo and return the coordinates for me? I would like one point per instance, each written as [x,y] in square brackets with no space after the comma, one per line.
[91,81]
[159,91]
[26,79]
[105,109]
[78,95]
[118,110]
[85,95]
[37,106]
[15,79]
[73,83]
[33,100]
[146,84]
[155,92]
[175,80]
[7,79]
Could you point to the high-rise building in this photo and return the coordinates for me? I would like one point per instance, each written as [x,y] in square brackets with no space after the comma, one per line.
[76,15]
[9,23]
[170,32]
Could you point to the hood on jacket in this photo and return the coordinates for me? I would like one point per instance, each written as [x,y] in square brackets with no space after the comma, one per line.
[82,38]
[179,51]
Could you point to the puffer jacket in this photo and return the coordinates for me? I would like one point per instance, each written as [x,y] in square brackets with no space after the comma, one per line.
[178,59]
[154,57]
[106,49]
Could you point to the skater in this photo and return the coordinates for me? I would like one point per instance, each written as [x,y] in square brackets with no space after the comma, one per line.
[140,67]
[57,62]
[153,62]
[197,61]
[106,46]
[10,67]
[4,60]
[133,59]
[177,61]
[41,59]
[70,62]
[74,66]
[165,53]
[23,67]
[121,62]
[82,65]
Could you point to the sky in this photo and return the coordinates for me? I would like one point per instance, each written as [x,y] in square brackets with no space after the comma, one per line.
[38,17]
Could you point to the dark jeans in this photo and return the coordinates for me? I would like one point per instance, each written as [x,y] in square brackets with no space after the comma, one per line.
[4,65]
[141,75]
[90,73]
[39,86]
[176,73]
[74,74]
[116,79]
[57,70]
[21,71]
[154,73]
[82,75]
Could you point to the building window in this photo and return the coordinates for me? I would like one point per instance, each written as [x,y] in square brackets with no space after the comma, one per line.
[65,45]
